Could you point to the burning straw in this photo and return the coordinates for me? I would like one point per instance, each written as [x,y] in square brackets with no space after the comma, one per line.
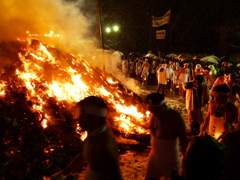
[38,90]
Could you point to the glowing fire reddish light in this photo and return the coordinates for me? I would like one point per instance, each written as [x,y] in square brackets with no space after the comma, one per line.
[72,87]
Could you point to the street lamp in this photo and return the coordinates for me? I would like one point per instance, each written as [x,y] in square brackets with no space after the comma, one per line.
[115,28]
[108,30]
[111,38]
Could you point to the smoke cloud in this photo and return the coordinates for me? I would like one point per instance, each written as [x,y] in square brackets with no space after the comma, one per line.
[75,29]
[41,17]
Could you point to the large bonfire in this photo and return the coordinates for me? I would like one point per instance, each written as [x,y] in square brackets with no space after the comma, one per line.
[39,86]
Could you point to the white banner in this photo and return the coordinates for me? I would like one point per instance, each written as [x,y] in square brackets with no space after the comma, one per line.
[159,21]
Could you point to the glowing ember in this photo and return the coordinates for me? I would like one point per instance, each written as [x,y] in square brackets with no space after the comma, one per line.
[2,87]
[217,135]
[83,135]
[111,81]
[44,123]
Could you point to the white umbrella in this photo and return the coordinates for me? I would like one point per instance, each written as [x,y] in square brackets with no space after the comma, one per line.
[150,55]
[211,59]
[172,56]
[215,57]
[117,53]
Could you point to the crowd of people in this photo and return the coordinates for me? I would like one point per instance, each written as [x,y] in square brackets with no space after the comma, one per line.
[173,155]
[203,86]
[145,70]
[209,151]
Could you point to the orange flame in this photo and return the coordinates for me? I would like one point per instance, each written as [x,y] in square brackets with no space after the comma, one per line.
[128,118]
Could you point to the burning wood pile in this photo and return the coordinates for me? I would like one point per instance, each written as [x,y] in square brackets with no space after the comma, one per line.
[39,87]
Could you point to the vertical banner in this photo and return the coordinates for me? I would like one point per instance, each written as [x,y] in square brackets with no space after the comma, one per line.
[159,21]
[160,34]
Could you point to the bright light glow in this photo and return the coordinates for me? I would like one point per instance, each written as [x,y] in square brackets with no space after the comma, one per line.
[115,28]
[108,30]
[51,32]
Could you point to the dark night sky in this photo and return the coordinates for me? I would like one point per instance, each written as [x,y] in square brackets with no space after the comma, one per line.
[194,27]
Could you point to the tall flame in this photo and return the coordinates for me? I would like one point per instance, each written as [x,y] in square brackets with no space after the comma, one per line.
[47,73]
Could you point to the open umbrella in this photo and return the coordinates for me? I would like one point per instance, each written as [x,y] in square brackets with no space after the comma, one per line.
[150,55]
[215,57]
[133,55]
[228,59]
[196,58]
[117,53]
[181,57]
[210,59]
[171,56]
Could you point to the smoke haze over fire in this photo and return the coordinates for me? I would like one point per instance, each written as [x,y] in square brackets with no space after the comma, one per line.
[39,17]
[42,16]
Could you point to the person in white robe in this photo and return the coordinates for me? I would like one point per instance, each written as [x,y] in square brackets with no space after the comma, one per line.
[168,131]
[162,77]
[145,71]
[222,114]
[138,70]
[100,149]
[197,97]
[183,77]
